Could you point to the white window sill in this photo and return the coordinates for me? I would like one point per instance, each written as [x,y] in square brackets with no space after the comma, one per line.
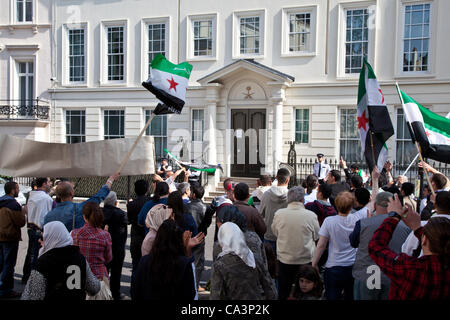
[202,58]
[75,85]
[298,54]
[414,75]
[113,84]
[350,77]
[248,56]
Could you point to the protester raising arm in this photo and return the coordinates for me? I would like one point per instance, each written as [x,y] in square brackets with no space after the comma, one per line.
[103,192]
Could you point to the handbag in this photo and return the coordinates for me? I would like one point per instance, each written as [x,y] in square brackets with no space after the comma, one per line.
[103,294]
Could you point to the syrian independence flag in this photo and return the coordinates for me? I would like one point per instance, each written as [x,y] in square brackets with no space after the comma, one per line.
[209,168]
[373,116]
[431,130]
[168,82]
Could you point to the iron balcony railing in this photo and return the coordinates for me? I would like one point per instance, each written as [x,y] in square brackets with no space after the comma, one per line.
[35,109]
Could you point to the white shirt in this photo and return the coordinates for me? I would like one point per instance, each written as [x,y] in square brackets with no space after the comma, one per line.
[411,243]
[361,213]
[337,229]
[171,183]
[311,197]
[323,171]
[39,204]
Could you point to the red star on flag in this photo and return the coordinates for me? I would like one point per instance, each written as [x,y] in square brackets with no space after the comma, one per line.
[428,133]
[173,84]
[382,96]
[362,121]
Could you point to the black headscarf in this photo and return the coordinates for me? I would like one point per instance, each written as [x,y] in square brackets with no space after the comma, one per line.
[232,214]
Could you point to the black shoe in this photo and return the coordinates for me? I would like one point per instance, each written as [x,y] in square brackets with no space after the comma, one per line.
[25,279]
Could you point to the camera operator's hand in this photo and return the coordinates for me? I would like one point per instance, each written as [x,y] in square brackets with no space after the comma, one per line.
[396,206]
[411,218]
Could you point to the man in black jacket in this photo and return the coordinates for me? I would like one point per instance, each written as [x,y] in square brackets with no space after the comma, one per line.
[134,206]
[116,221]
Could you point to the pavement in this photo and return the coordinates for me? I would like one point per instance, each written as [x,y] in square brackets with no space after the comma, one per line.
[127,266]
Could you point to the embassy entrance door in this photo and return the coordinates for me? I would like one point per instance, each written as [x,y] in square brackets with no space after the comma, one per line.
[248,142]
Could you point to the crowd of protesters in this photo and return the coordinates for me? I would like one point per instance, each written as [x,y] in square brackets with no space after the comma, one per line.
[357,237]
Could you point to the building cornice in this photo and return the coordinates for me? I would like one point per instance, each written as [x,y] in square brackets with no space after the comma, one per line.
[380,82]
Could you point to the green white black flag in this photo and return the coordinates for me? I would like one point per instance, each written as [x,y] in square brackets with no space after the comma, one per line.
[373,119]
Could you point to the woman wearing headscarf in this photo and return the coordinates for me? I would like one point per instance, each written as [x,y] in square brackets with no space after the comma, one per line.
[234,273]
[232,214]
[167,273]
[155,217]
[61,272]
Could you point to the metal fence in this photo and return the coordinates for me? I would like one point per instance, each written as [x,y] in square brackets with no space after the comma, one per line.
[304,166]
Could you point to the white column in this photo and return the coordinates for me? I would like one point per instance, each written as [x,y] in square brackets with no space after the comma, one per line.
[277,101]
[212,97]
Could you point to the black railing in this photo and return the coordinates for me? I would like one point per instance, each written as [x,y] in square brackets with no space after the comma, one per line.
[304,166]
[24,109]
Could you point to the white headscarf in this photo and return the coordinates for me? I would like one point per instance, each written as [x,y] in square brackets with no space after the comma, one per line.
[232,240]
[55,236]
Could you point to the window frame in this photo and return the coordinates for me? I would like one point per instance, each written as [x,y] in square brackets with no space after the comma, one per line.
[341,38]
[192,126]
[402,140]
[236,46]
[27,74]
[69,135]
[312,10]
[145,72]
[295,125]
[358,139]
[149,112]
[14,12]
[190,36]
[399,43]
[121,115]
[104,52]
[65,54]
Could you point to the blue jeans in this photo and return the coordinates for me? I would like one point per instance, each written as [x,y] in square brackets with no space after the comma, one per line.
[32,253]
[8,258]
[337,280]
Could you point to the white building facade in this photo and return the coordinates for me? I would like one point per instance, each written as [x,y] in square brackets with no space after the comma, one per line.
[264,73]
[25,68]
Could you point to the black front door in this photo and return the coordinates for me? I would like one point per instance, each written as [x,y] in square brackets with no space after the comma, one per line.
[248,147]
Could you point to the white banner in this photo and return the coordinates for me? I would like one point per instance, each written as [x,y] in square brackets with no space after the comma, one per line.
[28,158]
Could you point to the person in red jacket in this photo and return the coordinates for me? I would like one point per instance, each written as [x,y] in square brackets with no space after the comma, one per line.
[427,277]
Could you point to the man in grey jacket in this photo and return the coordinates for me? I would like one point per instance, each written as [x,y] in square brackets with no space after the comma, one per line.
[370,282]
[273,199]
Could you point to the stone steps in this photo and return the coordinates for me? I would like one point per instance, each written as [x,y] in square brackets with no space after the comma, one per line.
[220,191]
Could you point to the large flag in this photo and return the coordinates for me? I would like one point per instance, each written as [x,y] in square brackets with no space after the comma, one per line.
[210,168]
[168,82]
[373,119]
[430,130]
[28,158]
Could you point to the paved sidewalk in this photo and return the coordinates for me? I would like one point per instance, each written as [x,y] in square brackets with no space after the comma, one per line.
[127,266]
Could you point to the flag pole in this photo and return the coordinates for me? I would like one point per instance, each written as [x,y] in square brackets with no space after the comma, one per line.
[407,169]
[416,143]
[135,142]
[373,152]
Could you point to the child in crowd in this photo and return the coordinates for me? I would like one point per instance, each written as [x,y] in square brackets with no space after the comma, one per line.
[308,285]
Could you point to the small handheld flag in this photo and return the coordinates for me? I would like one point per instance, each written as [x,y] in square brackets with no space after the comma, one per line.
[168,82]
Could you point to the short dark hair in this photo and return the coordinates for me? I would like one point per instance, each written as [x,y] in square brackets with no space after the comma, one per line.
[265,180]
[362,195]
[439,180]
[443,201]
[10,186]
[198,190]
[357,181]
[226,182]
[241,191]
[141,187]
[408,188]
[283,175]
[325,190]
[41,181]
[354,166]
[336,174]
